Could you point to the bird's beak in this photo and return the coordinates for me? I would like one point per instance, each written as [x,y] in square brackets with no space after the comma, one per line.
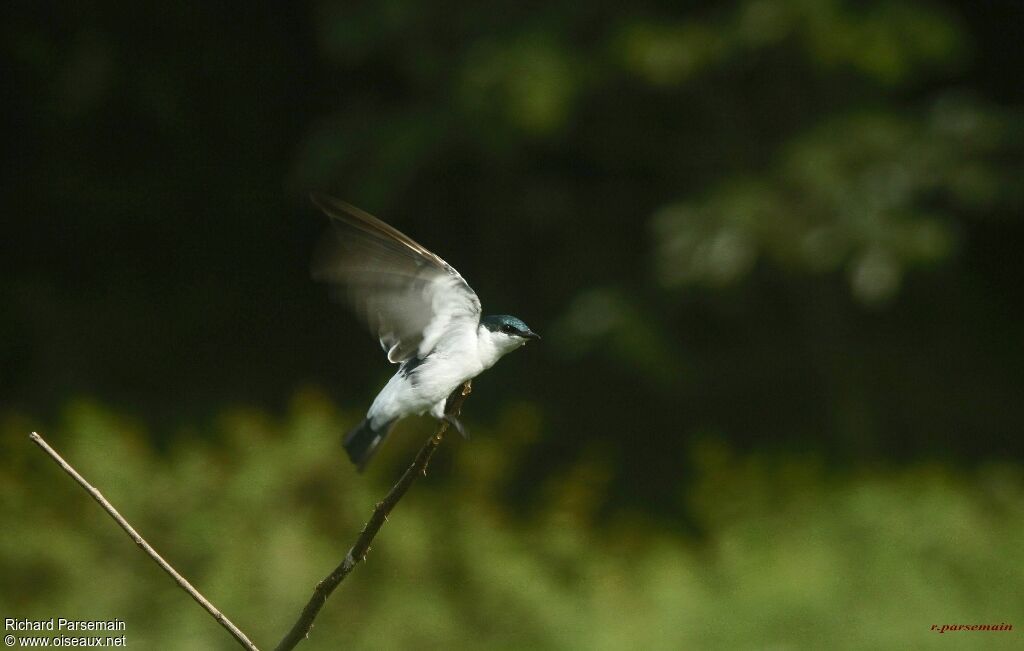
[530,334]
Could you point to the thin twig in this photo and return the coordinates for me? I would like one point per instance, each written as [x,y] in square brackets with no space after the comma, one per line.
[358,552]
[145,546]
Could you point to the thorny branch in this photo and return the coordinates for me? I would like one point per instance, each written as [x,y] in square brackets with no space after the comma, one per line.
[358,552]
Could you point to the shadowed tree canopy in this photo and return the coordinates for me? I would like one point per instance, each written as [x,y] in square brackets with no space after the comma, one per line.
[785,224]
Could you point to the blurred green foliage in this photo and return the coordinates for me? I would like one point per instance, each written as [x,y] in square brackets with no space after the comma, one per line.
[772,245]
[874,194]
[791,558]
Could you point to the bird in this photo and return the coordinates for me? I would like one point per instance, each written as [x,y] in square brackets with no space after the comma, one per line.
[429,321]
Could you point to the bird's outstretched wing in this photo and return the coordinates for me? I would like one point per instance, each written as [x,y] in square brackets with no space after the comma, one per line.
[407,295]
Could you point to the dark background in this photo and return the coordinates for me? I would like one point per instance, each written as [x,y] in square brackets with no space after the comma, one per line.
[157,231]
[778,228]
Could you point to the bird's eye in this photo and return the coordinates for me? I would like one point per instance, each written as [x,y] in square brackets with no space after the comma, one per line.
[507,328]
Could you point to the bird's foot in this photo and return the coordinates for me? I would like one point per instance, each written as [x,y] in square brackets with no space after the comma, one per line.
[457,424]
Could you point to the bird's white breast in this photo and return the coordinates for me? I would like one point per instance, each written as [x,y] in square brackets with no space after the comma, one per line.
[462,353]
[455,359]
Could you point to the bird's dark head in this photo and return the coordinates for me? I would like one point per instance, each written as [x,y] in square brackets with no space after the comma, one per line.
[508,325]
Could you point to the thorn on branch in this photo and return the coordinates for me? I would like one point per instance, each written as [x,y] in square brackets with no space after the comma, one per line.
[300,630]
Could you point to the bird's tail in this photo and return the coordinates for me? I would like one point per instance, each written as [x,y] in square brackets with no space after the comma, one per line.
[364,440]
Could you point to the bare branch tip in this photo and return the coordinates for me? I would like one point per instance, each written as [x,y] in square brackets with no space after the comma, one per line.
[182,582]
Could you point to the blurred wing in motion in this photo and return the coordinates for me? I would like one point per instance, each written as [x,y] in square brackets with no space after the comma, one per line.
[408,296]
